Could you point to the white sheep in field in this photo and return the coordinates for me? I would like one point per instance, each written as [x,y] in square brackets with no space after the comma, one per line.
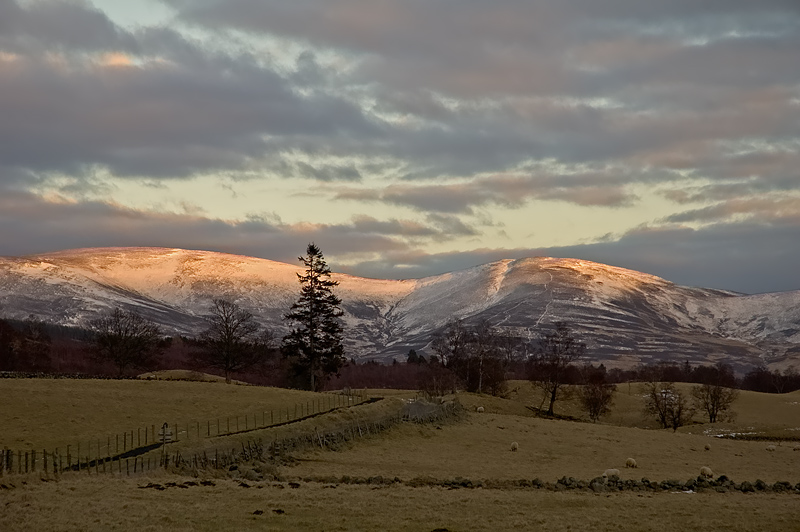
[630,462]
[796,447]
[610,473]
[706,472]
[771,448]
[479,410]
[514,446]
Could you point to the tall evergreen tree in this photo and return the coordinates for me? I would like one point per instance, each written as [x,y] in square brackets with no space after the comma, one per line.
[315,347]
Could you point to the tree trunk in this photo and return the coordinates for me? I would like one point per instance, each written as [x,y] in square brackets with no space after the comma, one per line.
[480,375]
[552,401]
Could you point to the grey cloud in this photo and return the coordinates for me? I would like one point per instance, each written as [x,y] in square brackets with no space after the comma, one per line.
[451,225]
[48,24]
[329,172]
[676,97]
[160,120]
[592,189]
[760,209]
[368,224]
[481,48]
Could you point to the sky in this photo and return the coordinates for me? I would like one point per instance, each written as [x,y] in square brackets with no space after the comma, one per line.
[409,138]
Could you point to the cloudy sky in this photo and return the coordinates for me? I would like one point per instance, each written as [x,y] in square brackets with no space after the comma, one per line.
[410,137]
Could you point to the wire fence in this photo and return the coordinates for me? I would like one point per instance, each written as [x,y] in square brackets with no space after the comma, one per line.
[125,452]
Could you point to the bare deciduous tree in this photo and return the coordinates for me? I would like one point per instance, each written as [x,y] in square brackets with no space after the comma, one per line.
[126,339]
[667,404]
[714,399]
[716,393]
[596,395]
[555,353]
[478,355]
[231,343]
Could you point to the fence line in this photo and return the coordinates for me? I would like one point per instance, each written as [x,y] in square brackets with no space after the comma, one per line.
[257,449]
[110,452]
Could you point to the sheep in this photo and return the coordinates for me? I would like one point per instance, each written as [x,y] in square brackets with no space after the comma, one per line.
[796,447]
[479,410]
[771,448]
[708,447]
[514,446]
[630,462]
[706,472]
[610,473]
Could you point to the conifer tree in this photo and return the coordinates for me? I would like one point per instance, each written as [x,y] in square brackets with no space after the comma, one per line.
[314,347]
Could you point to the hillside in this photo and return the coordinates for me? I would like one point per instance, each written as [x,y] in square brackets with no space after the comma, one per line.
[624,316]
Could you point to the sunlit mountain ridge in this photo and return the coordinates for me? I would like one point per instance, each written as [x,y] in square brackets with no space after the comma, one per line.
[625,317]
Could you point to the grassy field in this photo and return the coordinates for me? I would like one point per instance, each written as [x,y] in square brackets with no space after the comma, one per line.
[101,504]
[47,413]
[479,448]
[475,446]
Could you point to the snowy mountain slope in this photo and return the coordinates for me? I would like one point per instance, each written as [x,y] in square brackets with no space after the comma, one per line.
[624,316]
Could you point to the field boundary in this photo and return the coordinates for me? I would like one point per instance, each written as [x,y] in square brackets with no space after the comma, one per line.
[279,448]
[107,453]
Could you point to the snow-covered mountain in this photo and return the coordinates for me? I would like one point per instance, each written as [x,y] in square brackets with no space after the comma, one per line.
[625,317]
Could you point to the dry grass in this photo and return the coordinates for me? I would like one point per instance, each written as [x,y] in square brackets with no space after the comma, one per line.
[47,413]
[476,447]
[479,448]
[102,503]
[185,375]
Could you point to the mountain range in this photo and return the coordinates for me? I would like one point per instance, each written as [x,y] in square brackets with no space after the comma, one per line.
[625,317]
